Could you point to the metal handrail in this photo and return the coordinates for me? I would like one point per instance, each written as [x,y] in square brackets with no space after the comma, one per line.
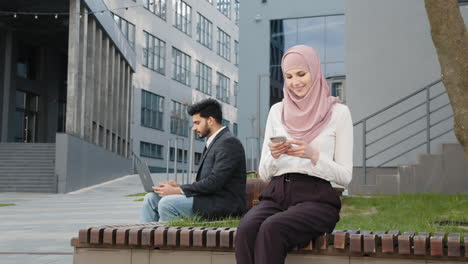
[399,101]
[427,116]
[395,130]
[395,117]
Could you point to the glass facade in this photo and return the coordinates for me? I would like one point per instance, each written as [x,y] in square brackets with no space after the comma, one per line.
[224,6]
[183,17]
[158,7]
[222,89]
[225,123]
[152,110]
[203,76]
[182,64]
[154,53]
[325,34]
[205,31]
[127,28]
[236,92]
[179,119]
[150,150]
[224,45]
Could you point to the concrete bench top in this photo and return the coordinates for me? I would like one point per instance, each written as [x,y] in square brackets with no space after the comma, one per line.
[379,244]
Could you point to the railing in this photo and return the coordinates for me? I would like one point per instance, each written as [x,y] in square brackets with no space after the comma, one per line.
[381,150]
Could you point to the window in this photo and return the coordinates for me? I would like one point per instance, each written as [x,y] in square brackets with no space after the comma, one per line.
[236,92]
[150,150]
[222,89]
[198,156]
[205,31]
[152,108]
[182,65]
[179,119]
[154,53]
[225,123]
[236,52]
[337,90]
[224,6]
[158,7]
[181,155]
[127,29]
[236,10]
[27,63]
[183,17]
[234,129]
[324,33]
[203,75]
[224,44]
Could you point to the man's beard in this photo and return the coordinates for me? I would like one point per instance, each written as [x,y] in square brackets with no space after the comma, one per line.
[207,132]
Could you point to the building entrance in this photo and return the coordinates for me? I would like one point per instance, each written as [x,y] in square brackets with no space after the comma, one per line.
[26,117]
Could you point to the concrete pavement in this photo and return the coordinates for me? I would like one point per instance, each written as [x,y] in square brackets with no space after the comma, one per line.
[39,227]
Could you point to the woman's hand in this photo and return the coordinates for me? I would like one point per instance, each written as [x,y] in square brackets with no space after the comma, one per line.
[302,150]
[278,148]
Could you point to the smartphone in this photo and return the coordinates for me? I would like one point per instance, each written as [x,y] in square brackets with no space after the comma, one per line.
[278,139]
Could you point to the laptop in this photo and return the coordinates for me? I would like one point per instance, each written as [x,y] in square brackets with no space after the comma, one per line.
[145,176]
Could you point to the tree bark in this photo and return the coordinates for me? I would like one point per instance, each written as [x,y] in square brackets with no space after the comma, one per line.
[451,42]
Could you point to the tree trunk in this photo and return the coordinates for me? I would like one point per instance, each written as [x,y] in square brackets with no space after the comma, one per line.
[451,42]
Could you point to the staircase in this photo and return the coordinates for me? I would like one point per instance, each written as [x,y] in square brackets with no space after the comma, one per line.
[394,136]
[445,171]
[26,167]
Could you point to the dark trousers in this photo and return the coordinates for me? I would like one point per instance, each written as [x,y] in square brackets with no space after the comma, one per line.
[293,210]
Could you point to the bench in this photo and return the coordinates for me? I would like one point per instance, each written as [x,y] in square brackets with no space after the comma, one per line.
[153,243]
[156,243]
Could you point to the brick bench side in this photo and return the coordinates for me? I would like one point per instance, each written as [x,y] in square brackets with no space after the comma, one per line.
[379,244]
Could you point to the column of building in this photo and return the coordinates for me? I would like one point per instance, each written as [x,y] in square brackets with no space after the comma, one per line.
[99,83]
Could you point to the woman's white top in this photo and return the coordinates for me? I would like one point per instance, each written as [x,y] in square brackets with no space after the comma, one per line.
[334,143]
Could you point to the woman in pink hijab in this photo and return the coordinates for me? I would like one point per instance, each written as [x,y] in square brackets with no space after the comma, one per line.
[308,144]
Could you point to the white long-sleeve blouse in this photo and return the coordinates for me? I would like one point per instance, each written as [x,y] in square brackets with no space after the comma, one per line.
[334,143]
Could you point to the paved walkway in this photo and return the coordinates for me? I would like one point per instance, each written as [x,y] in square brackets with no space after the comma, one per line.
[39,227]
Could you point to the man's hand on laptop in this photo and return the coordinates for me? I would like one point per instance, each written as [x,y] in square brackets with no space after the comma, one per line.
[171,183]
[167,188]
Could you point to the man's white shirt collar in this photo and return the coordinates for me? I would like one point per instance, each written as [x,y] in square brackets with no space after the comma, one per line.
[210,139]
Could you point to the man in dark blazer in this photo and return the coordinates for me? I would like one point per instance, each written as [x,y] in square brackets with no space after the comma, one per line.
[219,189]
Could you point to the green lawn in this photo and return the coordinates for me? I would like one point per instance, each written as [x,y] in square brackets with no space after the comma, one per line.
[9,204]
[137,195]
[406,212]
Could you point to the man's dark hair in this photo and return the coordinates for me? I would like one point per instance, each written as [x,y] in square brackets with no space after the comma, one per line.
[206,108]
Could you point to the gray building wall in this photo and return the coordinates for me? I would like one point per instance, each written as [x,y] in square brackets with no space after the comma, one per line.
[389,54]
[164,85]
[2,69]
[255,18]
[80,164]
[98,61]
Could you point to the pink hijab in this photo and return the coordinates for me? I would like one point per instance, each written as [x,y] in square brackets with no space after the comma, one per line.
[305,117]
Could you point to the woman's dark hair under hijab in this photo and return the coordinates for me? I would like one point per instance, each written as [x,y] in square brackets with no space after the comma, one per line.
[206,108]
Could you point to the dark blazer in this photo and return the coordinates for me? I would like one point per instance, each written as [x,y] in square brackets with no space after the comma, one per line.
[219,189]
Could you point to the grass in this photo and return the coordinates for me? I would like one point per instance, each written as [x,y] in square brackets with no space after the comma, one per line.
[198,221]
[137,195]
[9,204]
[405,212]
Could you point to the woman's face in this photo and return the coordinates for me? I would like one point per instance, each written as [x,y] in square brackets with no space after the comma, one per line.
[298,81]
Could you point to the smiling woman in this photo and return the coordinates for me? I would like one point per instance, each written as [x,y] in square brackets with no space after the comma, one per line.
[298,81]
[299,202]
